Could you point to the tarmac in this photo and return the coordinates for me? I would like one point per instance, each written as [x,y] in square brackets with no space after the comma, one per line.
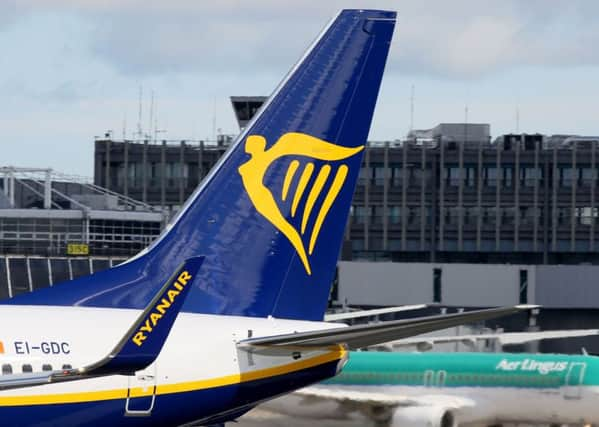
[261,418]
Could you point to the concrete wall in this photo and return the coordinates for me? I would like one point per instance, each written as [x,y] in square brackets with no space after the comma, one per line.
[473,285]
[572,286]
[385,283]
[466,285]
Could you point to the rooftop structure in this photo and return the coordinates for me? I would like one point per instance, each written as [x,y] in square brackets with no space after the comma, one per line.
[245,107]
[451,132]
[46,213]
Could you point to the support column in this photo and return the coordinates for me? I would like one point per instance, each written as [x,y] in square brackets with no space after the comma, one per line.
[479,189]
[498,184]
[535,202]
[386,197]
[518,145]
[5,183]
[181,174]
[461,196]
[442,196]
[434,203]
[126,169]
[404,191]
[201,162]
[573,200]
[593,186]
[554,200]
[11,183]
[107,166]
[546,208]
[48,189]
[144,184]
[423,211]
[367,198]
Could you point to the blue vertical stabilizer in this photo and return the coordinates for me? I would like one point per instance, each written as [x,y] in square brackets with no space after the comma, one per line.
[270,217]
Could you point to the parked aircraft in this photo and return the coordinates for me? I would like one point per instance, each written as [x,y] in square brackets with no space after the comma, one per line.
[454,389]
[269,220]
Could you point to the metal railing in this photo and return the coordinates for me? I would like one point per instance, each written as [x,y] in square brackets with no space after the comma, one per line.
[19,274]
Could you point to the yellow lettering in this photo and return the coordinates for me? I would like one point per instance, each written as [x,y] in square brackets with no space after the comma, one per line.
[139,338]
[172,294]
[163,306]
[146,327]
[154,317]
[184,278]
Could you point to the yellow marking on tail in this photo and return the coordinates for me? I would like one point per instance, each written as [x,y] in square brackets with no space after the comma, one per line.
[321,180]
[301,187]
[289,177]
[327,203]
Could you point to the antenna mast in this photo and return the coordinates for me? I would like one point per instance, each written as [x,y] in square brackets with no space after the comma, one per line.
[214,121]
[412,109]
[151,121]
[466,123]
[139,129]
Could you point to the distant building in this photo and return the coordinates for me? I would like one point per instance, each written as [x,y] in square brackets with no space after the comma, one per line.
[55,228]
[520,198]
[445,194]
[159,173]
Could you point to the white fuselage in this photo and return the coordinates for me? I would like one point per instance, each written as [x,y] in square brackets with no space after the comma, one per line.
[200,354]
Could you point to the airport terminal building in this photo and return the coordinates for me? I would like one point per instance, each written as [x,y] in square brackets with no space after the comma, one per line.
[445,195]
[463,219]
[448,216]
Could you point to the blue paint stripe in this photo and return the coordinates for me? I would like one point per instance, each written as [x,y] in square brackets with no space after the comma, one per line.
[170,410]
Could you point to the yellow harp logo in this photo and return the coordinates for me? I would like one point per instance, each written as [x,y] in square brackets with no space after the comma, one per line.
[294,144]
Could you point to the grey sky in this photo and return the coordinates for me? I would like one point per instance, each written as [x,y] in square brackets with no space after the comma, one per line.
[71,69]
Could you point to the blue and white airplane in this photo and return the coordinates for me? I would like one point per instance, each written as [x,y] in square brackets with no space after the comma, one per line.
[268,223]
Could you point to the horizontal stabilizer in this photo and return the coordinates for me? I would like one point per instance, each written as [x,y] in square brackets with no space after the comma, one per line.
[335,317]
[360,336]
[139,347]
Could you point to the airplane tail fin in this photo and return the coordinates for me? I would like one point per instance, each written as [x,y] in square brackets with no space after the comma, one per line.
[144,340]
[270,217]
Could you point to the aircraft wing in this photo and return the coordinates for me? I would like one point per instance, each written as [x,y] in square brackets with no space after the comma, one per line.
[503,338]
[334,317]
[360,336]
[428,409]
[346,395]
[138,348]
